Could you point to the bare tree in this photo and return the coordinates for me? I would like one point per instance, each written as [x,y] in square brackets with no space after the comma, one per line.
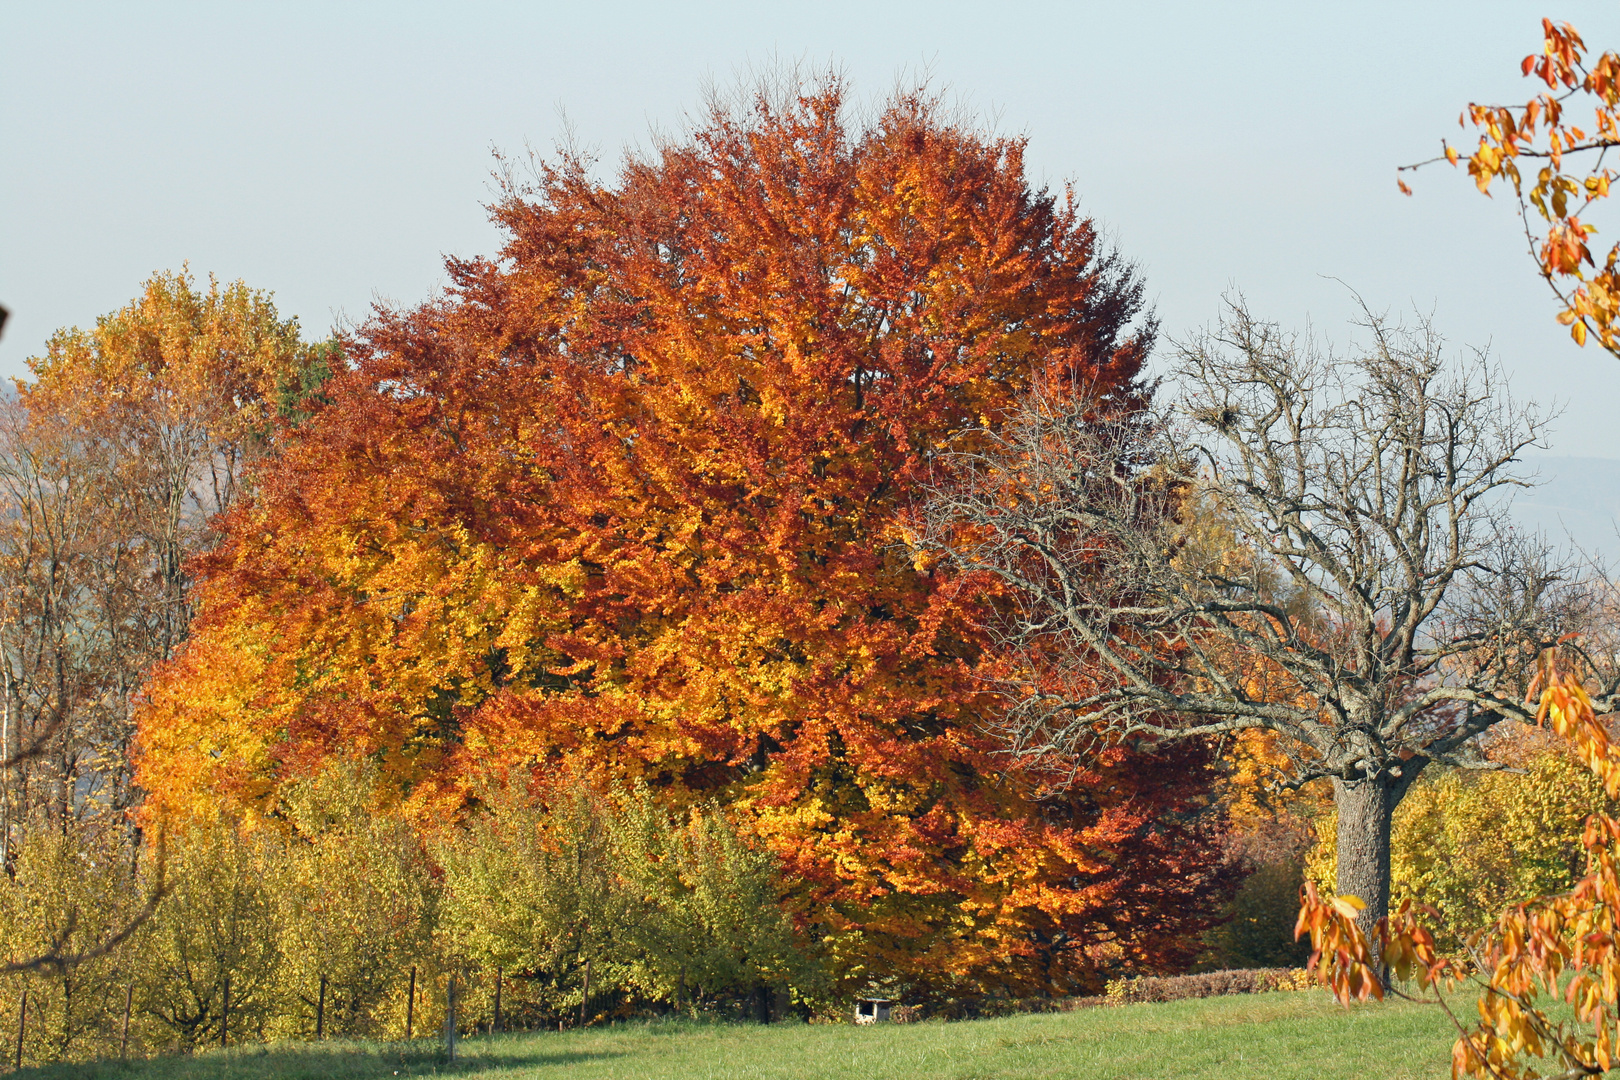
[52,647]
[1314,545]
[115,460]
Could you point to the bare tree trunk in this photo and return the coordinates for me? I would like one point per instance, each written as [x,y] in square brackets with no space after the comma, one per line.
[410,1005]
[450,1020]
[1365,808]
[585,994]
[762,1003]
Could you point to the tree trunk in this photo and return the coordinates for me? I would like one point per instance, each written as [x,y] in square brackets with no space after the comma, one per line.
[762,1003]
[22,1026]
[1365,808]
[450,1020]
[123,1040]
[410,1005]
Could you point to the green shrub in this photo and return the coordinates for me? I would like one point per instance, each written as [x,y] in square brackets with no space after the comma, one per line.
[1259,928]
[354,911]
[70,890]
[682,911]
[218,921]
[1149,988]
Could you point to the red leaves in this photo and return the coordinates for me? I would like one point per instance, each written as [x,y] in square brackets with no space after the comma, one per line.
[1340,955]
[1565,249]
[1560,56]
[628,500]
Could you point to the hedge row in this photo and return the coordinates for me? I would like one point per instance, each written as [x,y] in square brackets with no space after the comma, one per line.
[1145,988]
[1208,984]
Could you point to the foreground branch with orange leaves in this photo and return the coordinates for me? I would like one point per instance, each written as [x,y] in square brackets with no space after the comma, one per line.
[1571,180]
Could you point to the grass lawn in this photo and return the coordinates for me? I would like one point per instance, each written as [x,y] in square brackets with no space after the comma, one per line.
[1280,1036]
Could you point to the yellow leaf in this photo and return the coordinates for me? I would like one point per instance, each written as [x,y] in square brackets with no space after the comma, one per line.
[1349,906]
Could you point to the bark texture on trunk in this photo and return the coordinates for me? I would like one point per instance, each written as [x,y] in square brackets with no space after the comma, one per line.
[1365,808]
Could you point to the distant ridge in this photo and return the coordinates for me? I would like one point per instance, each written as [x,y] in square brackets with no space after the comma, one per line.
[1577,500]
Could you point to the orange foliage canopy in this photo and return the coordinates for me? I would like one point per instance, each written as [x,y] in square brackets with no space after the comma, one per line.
[625,501]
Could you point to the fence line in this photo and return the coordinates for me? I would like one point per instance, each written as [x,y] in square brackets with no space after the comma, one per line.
[491,1013]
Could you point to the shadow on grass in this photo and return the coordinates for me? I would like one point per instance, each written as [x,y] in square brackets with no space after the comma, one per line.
[334,1060]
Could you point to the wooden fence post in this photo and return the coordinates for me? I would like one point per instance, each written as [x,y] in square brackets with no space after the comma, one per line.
[123,1040]
[410,1005]
[320,1011]
[497,1024]
[224,1016]
[22,1025]
[450,1019]
[585,994]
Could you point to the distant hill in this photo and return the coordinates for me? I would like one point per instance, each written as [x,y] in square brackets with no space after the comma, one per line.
[1578,500]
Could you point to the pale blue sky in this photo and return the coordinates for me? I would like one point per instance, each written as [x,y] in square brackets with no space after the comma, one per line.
[334,152]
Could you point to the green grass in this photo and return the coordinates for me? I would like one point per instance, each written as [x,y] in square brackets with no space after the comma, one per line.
[1283,1036]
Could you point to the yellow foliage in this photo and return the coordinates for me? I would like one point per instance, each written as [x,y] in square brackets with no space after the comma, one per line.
[1471,843]
[353,909]
[69,891]
[1257,767]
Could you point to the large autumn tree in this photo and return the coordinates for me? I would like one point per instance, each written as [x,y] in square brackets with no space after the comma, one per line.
[625,499]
